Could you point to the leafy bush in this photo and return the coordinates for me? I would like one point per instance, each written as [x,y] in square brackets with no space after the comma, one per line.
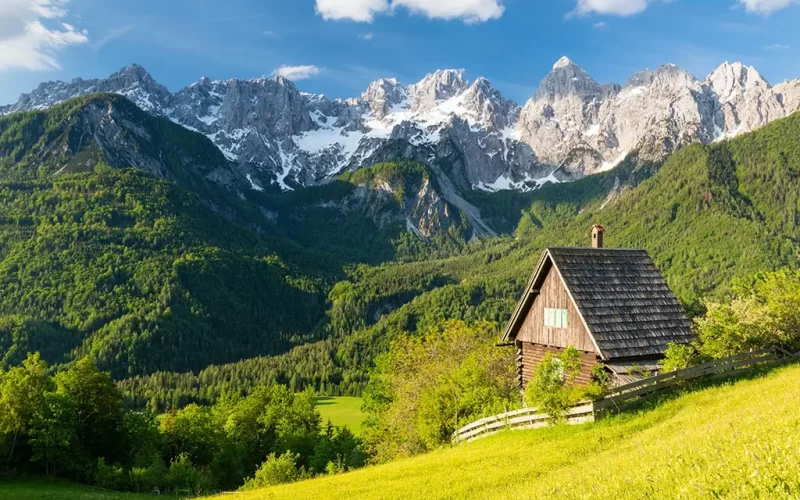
[678,357]
[110,476]
[277,469]
[761,315]
[183,475]
[552,388]
[426,387]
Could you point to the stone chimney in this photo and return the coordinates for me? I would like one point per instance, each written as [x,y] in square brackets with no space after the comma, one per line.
[597,236]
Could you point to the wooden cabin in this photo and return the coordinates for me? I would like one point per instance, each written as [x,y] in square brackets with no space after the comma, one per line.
[613,305]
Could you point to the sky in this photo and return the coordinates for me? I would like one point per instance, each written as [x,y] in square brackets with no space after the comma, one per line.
[336,47]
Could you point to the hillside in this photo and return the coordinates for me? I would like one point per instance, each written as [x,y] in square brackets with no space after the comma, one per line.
[131,239]
[713,443]
[710,215]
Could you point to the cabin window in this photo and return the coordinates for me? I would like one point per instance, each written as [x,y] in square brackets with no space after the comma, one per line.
[555,318]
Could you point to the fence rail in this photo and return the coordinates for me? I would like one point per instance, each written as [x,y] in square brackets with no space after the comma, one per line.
[621,396]
[527,418]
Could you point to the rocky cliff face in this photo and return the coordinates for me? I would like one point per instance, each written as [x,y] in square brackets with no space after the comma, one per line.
[571,127]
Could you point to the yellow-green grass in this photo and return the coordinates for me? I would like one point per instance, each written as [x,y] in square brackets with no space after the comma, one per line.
[60,490]
[737,440]
[341,411]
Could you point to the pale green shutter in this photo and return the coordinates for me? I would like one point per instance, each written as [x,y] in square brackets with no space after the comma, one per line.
[564,318]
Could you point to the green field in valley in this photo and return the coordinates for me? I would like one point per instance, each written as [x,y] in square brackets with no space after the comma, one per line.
[341,411]
[58,490]
[735,440]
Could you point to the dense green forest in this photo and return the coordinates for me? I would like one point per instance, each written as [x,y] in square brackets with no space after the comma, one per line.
[187,292]
[709,216]
[141,276]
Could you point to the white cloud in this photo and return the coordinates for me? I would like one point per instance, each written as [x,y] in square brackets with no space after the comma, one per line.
[766,6]
[600,25]
[297,72]
[611,7]
[469,11]
[362,11]
[25,42]
[777,46]
[367,36]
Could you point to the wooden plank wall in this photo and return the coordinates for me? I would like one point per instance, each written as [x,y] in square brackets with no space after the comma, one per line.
[533,354]
[553,294]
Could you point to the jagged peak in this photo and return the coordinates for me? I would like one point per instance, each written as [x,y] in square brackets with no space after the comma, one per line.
[443,76]
[641,79]
[743,73]
[134,69]
[563,63]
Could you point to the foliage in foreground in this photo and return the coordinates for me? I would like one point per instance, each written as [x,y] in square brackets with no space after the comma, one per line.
[74,425]
[552,388]
[763,313]
[428,386]
[732,441]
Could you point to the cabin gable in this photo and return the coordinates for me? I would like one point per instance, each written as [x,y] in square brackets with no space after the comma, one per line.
[553,295]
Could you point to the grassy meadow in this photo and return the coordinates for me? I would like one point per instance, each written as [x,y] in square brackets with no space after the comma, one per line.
[737,440]
[341,411]
[58,490]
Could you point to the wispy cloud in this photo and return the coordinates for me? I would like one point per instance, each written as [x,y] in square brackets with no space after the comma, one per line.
[766,7]
[112,35]
[601,25]
[271,34]
[25,41]
[367,36]
[364,11]
[295,73]
[777,46]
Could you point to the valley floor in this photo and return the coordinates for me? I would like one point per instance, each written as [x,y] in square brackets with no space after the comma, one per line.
[342,411]
[737,440]
[57,490]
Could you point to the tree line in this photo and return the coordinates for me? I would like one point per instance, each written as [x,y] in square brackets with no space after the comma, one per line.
[74,425]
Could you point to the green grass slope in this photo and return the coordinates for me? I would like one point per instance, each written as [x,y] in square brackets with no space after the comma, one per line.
[736,440]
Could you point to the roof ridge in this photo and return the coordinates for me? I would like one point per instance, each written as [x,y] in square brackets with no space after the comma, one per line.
[598,249]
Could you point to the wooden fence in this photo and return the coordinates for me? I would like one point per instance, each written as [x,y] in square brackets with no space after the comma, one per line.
[621,396]
[526,418]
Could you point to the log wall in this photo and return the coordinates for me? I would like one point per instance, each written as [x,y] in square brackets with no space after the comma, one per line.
[530,355]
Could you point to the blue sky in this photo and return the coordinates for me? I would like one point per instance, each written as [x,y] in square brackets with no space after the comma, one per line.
[345,44]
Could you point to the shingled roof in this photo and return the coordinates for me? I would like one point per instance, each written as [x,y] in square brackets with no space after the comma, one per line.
[621,296]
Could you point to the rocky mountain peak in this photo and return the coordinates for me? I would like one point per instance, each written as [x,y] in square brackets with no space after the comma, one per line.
[563,63]
[730,80]
[567,78]
[436,87]
[383,95]
[641,79]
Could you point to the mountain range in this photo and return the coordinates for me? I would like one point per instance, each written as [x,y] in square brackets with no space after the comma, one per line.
[278,138]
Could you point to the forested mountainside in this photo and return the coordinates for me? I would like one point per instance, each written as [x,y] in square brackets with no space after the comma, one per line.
[168,265]
[712,214]
[178,264]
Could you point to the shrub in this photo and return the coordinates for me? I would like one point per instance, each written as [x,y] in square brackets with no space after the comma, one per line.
[183,475]
[552,387]
[277,469]
[679,357]
[110,476]
[428,386]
